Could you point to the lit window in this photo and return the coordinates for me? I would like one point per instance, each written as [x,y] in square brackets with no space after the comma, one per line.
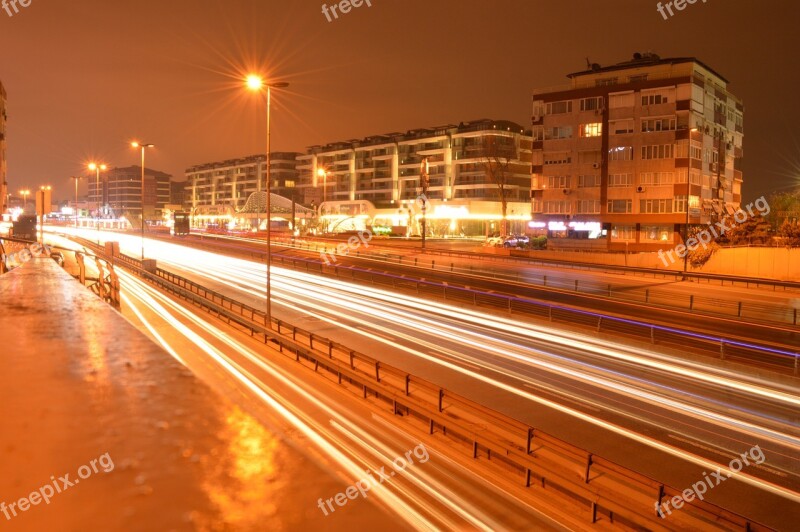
[591,130]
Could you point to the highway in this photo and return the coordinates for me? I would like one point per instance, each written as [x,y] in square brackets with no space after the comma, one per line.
[668,417]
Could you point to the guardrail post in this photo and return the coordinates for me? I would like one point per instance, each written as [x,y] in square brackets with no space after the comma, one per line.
[530,442]
[739,313]
[433,265]
[441,398]
[647,295]
[377,371]
[795,317]
[588,467]
[722,349]
[599,323]
[352,354]
[544,280]
[474,448]
[652,335]
[330,349]
[691,302]
[576,285]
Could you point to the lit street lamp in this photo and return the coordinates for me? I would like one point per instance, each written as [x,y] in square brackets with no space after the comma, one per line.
[97,167]
[142,146]
[255,83]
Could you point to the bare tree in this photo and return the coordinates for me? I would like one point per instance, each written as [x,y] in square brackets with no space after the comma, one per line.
[497,153]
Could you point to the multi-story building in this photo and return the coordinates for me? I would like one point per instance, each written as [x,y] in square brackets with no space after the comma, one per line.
[121,190]
[380,178]
[628,156]
[230,183]
[3,165]
[179,193]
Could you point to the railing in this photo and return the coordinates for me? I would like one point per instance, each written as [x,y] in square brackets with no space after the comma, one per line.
[601,489]
[731,348]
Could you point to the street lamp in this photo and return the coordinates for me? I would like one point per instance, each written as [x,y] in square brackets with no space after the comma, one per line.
[255,83]
[688,195]
[96,168]
[321,172]
[424,181]
[24,193]
[143,147]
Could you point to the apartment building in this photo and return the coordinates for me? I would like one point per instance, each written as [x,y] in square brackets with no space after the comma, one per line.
[377,180]
[230,183]
[120,192]
[626,157]
[3,164]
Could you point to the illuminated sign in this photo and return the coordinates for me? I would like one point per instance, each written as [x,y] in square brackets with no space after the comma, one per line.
[536,225]
[585,226]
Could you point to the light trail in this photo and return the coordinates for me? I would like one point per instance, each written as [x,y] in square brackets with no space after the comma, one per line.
[378,311]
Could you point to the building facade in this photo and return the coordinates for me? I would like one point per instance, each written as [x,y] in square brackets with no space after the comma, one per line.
[230,183]
[626,157]
[380,179]
[120,192]
[3,164]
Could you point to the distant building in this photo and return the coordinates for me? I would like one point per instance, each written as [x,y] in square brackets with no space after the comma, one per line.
[626,155]
[179,195]
[378,179]
[121,190]
[230,183]
[3,164]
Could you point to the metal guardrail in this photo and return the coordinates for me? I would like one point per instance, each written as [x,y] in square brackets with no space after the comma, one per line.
[730,348]
[601,489]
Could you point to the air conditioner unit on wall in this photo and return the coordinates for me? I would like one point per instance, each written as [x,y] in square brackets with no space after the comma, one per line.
[640,189]
[565,191]
[595,165]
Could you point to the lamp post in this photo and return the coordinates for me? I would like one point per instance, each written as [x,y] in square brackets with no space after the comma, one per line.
[321,172]
[143,147]
[424,182]
[97,167]
[76,199]
[688,195]
[255,83]
[24,193]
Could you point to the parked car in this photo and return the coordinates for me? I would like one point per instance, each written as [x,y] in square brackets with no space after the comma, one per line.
[513,241]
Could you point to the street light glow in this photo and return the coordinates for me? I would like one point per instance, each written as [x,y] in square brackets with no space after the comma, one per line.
[254,82]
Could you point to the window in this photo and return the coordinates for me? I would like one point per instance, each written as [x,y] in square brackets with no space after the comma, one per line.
[605,82]
[558,181]
[288,184]
[617,101]
[588,181]
[656,233]
[557,157]
[558,132]
[537,132]
[658,151]
[622,206]
[654,98]
[658,124]
[589,157]
[620,180]
[656,178]
[590,104]
[620,153]
[556,207]
[623,232]
[655,206]
[588,207]
[558,108]
[637,78]
[594,129]
[620,127]
[679,204]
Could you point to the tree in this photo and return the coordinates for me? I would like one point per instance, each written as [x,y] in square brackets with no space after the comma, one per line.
[498,152]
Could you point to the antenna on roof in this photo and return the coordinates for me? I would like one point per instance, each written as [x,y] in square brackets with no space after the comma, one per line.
[588,64]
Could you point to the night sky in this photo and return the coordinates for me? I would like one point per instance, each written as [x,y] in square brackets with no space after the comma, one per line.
[85,77]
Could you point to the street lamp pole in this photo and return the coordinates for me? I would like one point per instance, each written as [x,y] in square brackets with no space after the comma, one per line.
[321,172]
[142,146]
[97,167]
[76,200]
[688,195]
[424,182]
[24,194]
[256,83]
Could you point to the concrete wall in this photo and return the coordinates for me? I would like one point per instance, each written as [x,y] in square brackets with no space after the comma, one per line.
[768,263]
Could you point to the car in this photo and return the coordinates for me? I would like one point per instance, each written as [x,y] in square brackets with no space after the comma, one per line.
[514,241]
[494,240]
